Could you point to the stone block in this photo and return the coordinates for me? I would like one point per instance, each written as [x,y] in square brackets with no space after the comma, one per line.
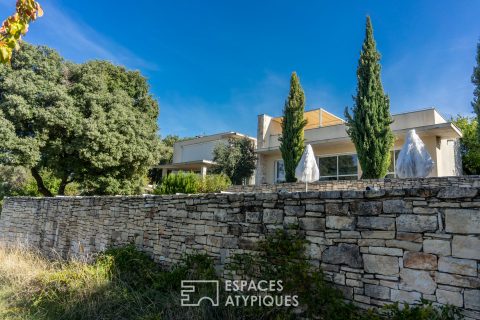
[456,192]
[312,224]
[438,247]
[348,254]
[341,222]
[420,260]
[416,223]
[397,206]
[377,223]
[253,217]
[407,245]
[333,208]
[315,207]
[378,234]
[449,297]
[417,280]
[462,221]
[386,251]
[459,266]
[466,247]
[405,296]
[378,292]
[472,299]
[423,210]
[272,216]
[385,265]
[298,211]
[457,280]
[368,208]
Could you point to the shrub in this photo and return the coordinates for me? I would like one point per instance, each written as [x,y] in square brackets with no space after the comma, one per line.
[214,183]
[181,182]
[190,182]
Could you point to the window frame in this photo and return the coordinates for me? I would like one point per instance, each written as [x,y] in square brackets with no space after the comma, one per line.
[337,176]
[394,173]
[275,175]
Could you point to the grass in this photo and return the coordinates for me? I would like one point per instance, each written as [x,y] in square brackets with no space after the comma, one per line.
[124,283]
[120,284]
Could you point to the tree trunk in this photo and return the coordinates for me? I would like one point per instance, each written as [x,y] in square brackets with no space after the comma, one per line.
[63,184]
[40,185]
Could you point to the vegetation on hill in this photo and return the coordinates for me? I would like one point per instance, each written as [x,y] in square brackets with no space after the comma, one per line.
[369,125]
[293,123]
[93,123]
[123,283]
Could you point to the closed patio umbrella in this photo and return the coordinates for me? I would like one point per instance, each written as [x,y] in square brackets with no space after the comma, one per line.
[307,169]
[413,161]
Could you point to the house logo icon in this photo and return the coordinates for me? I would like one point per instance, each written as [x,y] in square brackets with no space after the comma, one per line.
[190,287]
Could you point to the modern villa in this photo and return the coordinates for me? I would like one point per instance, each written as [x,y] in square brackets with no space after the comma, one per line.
[196,154]
[335,152]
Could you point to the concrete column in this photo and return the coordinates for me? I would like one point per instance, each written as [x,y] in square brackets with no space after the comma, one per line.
[164,172]
[203,171]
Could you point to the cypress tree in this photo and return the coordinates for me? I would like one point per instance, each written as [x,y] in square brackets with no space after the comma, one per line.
[293,123]
[369,126]
[476,92]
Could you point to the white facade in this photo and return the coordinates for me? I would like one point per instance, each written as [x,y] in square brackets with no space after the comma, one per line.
[336,154]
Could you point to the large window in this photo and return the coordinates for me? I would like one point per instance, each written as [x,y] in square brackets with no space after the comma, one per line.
[393,164]
[279,171]
[342,167]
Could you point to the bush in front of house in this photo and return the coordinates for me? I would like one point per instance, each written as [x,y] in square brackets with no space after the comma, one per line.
[181,182]
[189,182]
[214,183]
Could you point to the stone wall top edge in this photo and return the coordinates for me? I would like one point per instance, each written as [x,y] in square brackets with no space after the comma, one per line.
[423,191]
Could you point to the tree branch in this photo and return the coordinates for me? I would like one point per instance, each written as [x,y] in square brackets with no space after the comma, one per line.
[40,185]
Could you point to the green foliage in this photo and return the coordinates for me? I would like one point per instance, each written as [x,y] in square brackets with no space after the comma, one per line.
[181,182]
[476,92]
[214,183]
[189,182]
[92,123]
[293,124]
[469,144]
[18,181]
[423,311]
[369,126]
[124,283]
[236,159]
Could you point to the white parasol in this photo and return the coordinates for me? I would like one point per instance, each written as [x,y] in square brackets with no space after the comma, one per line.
[307,169]
[413,161]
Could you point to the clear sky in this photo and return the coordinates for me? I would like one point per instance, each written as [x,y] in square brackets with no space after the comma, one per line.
[215,65]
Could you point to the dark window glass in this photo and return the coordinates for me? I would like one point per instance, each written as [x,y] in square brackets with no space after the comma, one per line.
[327,166]
[347,164]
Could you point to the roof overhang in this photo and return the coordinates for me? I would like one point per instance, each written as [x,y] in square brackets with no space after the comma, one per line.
[188,165]
[443,130]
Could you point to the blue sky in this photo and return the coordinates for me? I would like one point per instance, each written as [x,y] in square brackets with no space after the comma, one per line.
[215,65]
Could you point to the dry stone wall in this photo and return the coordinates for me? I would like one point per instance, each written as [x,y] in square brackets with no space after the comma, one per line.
[433,182]
[376,246]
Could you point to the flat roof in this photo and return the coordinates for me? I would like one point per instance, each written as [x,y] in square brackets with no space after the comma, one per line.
[186,165]
[219,136]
